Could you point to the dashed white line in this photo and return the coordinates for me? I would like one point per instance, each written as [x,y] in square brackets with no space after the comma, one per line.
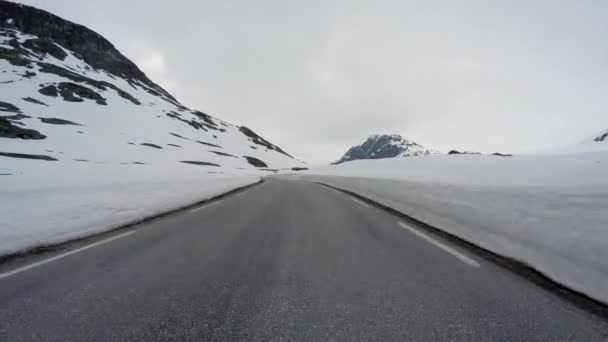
[359,202]
[438,244]
[63,255]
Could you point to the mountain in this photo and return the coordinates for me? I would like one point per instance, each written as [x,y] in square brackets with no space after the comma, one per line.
[385,146]
[68,96]
[601,138]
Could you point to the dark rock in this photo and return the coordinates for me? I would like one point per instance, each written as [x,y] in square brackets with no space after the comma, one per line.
[9,130]
[131,143]
[173,145]
[255,161]
[502,154]
[201,163]
[299,168]
[463,152]
[7,107]
[14,56]
[49,90]
[28,74]
[45,46]
[151,145]
[192,123]
[81,160]
[179,136]
[601,137]
[205,117]
[27,156]
[256,139]
[208,144]
[33,100]
[56,121]
[68,90]
[81,132]
[223,154]
[139,163]
[16,117]
[100,85]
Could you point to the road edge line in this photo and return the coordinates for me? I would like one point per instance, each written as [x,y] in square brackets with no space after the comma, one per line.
[580,300]
[21,269]
[458,255]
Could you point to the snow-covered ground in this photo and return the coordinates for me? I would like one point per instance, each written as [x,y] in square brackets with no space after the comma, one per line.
[84,150]
[48,208]
[550,212]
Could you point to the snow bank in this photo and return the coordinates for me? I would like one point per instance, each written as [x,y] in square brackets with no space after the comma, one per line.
[48,208]
[550,212]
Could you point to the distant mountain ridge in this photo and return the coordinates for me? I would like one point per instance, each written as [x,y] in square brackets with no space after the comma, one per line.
[385,146]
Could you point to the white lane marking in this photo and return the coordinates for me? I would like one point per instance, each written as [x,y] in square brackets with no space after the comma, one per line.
[436,243]
[61,256]
[359,202]
[206,205]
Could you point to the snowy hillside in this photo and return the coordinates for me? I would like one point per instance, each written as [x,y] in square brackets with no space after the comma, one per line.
[89,143]
[68,96]
[547,211]
[594,143]
[385,146]
[598,142]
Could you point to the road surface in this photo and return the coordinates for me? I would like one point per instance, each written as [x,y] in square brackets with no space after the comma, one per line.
[285,260]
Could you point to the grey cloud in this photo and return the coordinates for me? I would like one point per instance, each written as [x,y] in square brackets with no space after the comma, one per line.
[317,76]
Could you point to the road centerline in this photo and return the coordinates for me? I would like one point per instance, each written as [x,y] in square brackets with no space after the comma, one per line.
[467,260]
[62,255]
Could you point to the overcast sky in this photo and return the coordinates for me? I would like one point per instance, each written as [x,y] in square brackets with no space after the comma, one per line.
[316,77]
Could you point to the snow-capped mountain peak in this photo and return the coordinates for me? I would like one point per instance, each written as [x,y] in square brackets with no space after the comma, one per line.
[385,146]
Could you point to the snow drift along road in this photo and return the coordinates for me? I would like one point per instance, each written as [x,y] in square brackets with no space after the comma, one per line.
[550,212]
[43,214]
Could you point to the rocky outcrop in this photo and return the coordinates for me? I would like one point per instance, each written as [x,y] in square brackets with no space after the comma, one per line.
[385,146]
[256,139]
[92,47]
[601,137]
[255,161]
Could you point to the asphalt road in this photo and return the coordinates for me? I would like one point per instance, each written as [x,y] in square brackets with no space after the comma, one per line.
[285,260]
